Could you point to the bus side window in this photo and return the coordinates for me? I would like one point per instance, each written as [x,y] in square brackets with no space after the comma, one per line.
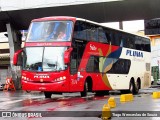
[102,36]
[90,64]
[93,64]
[92,33]
[89,32]
[80,30]
[73,64]
[132,43]
[121,66]
[137,43]
[115,38]
[128,43]
[148,47]
[108,37]
[96,63]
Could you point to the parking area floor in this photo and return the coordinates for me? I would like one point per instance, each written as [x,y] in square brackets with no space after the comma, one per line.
[72,106]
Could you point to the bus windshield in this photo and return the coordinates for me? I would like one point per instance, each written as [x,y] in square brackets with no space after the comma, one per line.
[42,59]
[50,31]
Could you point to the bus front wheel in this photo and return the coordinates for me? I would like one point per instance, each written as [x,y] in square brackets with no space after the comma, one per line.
[85,90]
[47,94]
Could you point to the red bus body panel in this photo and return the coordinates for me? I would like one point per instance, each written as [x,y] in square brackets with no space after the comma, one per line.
[38,44]
[72,83]
[45,81]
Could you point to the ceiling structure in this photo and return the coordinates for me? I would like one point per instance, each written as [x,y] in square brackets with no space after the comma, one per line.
[100,12]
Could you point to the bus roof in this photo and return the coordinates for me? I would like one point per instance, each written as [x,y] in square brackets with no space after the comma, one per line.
[112,28]
[80,19]
[54,18]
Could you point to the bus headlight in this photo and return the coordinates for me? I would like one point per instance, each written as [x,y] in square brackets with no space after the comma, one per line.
[25,78]
[60,79]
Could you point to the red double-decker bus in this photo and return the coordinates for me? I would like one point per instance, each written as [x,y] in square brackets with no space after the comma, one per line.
[69,54]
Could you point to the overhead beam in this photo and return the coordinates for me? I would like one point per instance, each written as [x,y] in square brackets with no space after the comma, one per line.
[100,12]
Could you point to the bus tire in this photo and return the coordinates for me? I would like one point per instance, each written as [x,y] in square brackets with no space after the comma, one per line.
[132,88]
[47,94]
[137,87]
[152,82]
[84,92]
[28,91]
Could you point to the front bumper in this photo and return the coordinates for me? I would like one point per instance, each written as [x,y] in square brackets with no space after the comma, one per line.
[61,86]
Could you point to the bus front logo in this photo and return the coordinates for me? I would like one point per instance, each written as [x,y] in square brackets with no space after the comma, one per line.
[36,76]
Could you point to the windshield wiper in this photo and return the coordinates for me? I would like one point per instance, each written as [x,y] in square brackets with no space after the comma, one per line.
[52,65]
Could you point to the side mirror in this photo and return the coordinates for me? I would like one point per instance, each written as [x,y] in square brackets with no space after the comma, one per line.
[67,55]
[15,57]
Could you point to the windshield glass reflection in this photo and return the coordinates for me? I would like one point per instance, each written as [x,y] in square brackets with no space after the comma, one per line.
[44,59]
[50,31]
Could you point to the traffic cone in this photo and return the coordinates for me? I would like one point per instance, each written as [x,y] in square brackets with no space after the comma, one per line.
[9,85]
[106,112]
[112,102]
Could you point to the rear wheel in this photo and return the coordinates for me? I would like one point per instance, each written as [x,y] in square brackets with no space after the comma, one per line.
[47,94]
[152,82]
[133,88]
[84,92]
[137,87]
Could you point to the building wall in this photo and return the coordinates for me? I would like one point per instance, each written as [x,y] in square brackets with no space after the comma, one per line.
[155,48]
[155,51]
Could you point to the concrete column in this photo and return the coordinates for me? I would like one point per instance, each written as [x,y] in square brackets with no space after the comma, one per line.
[121,25]
[14,38]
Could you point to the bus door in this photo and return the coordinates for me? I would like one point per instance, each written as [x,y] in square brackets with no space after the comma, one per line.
[76,56]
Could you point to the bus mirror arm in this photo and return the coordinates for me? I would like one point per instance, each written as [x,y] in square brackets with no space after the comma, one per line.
[67,55]
[15,57]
